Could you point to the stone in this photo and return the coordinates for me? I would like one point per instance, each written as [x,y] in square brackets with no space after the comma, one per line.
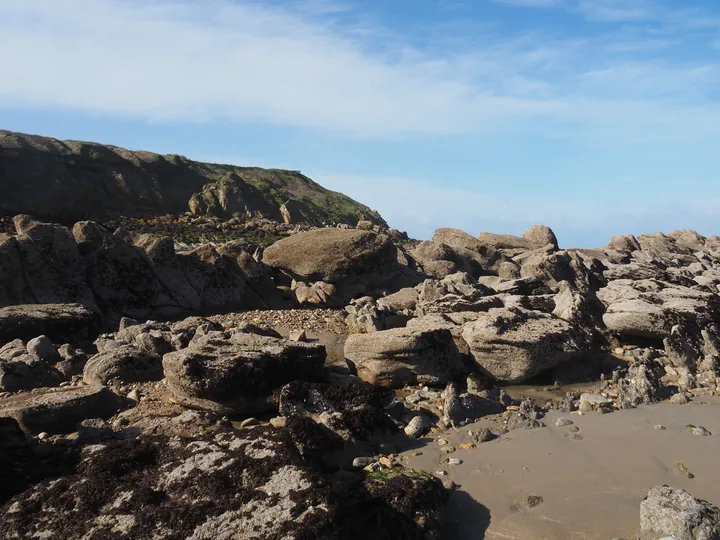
[238,373]
[460,410]
[330,254]
[668,511]
[297,335]
[418,426]
[484,435]
[402,356]
[698,430]
[59,410]
[25,372]
[61,323]
[362,462]
[126,364]
[41,348]
[679,399]
[516,344]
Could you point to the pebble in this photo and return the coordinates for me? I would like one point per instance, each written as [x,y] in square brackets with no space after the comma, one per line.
[416,454]
[248,422]
[385,462]
[441,473]
[447,449]
[449,485]
[683,469]
[362,462]
[454,461]
[417,426]
[698,430]
[467,446]
[42,436]
[660,427]
[134,395]
[278,422]
[562,422]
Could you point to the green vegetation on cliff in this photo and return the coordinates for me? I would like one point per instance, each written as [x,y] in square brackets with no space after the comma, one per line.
[71,180]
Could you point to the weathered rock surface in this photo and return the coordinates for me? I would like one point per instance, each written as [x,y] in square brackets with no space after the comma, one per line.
[60,322]
[238,372]
[59,410]
[125,364]
[227,484]
[671,512]
[515,344]
[403,356]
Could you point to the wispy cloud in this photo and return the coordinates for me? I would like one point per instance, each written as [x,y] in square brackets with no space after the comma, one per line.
[320,64]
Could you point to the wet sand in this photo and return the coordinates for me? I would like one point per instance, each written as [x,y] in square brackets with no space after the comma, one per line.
[591,488]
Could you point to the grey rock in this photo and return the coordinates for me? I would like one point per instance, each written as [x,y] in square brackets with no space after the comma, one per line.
[418,426]
[668,511]
[403,356]
[41,348]
[125,364]
[60,322]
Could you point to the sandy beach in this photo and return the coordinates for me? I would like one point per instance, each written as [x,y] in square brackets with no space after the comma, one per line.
[591,488]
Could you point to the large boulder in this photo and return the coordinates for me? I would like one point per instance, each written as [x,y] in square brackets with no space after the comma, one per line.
[59,410]
[537,237]
[24,372]
[60,322]
[238,372]
[515,344]
[650,308]
[331,255]
[671,512]
[125,364]
[403,356]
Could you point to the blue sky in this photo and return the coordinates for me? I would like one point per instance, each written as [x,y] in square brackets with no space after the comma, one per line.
[596,117]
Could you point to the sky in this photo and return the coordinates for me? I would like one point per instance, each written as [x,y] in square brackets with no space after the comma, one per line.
[595,117]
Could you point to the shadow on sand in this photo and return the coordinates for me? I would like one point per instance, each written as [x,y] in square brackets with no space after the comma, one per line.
[465,518]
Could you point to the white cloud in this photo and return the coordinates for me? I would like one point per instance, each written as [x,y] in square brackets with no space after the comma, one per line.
[305,66]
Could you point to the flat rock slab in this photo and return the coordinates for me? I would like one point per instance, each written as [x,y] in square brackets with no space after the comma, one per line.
[59,410]
[62,323]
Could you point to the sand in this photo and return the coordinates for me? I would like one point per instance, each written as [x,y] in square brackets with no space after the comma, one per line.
[590,488]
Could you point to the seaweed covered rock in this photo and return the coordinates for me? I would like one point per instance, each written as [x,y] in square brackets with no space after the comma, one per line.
[402,356]
[228,484]
[352,410]
[238,372]
[515,344]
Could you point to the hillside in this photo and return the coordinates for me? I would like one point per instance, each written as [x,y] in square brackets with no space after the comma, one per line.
[66,181]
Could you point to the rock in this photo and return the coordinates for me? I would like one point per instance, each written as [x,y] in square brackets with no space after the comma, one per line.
[330,254]
[362,462]
[484,435]
[418,426]
[237,374]
[668,511]
[482,258]
[354,411]
[460,410]
[516,344]
[278,422]
[624,243]
[404,299]
[134,395]
[679,399]
[404,356]
[297,335]
[125,364]
[541,235]
[94,430]
[59,410]
[642,384]
[59,322]
[25,372]
[41,348]
[233,484]
[454,461]
[699,431]
[537,237]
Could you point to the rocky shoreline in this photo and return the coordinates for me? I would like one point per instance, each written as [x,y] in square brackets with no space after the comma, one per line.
[153,389]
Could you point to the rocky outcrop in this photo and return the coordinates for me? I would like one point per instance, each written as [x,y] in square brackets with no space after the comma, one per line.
[73,180]
[238,372]
[537,237]
[60,322]
[125,364]
[516,344]
[404,356]
[224,484]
